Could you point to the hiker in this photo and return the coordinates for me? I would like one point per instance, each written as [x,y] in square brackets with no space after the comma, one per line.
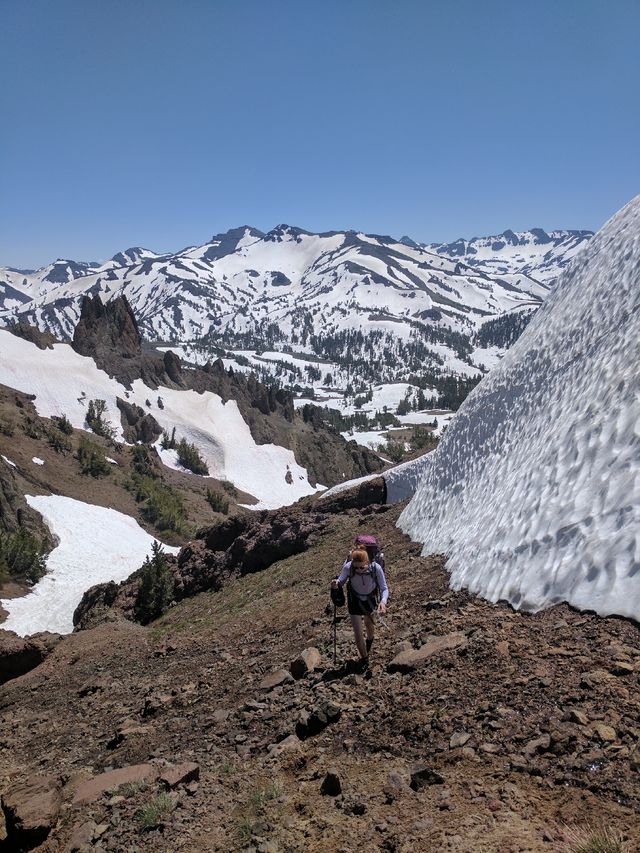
[367,593]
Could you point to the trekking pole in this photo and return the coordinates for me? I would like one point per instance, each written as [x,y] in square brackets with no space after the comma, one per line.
[335,654]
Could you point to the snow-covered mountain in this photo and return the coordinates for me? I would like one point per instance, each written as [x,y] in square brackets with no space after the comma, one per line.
[534,491]
[535,253]
[310,292]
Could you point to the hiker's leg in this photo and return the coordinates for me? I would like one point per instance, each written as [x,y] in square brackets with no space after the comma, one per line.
[369,625]
[356,622]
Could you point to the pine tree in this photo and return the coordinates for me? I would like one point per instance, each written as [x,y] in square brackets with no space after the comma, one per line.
[156,586]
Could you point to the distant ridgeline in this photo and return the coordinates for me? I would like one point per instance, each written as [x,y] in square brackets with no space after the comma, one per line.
[339,310]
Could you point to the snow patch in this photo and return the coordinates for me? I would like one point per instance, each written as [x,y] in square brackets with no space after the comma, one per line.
[96,545]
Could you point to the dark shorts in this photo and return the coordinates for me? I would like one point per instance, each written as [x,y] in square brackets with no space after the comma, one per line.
[361,605]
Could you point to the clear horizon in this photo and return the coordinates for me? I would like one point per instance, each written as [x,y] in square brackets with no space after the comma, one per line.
[162,123]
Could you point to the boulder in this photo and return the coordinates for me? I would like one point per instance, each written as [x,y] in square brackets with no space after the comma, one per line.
[423,776]
[605,733]
[180,774]
[31,810]
[331,785]
[318,718]
[19,655]
[95,787]
[416,658]
[275,679]
[306,662]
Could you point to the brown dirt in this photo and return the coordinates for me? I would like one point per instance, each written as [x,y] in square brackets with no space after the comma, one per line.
[527,770]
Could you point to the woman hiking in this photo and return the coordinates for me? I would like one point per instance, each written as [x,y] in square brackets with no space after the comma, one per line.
[366,585]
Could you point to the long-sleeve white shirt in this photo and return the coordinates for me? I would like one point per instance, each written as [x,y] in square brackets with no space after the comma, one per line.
[364,584]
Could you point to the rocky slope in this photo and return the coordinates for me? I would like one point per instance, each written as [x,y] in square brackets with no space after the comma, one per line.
[480,729]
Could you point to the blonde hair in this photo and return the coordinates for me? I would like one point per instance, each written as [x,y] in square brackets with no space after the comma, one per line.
[359,557]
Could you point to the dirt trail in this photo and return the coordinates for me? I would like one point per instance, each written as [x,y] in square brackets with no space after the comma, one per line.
[529,724]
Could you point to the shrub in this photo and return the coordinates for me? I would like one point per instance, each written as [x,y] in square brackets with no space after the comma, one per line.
[163,505]
[217,502]
[142,462]
[92,459]
[95,419]
[7,428]
[423,439]
[22,555]
[229,488]
[394,449]
[155,592]
[64,424]
[168,442]
[58,441]
[189,457]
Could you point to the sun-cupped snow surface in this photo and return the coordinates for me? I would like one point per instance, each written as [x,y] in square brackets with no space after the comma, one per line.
[63,382]
[96,545]
[534,490]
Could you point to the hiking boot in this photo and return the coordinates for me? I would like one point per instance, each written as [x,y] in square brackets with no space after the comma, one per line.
[362,665]
[369,644]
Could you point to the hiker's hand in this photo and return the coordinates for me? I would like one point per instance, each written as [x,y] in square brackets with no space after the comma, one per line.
[334,584]
[382,608]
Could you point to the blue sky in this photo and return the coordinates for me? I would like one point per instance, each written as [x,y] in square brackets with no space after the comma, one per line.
[161,122]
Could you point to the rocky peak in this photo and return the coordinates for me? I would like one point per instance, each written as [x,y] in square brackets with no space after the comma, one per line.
[111,326]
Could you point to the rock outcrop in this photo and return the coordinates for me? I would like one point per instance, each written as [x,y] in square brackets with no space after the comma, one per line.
[237,546]
[19,655]
[43,340]
[105,329]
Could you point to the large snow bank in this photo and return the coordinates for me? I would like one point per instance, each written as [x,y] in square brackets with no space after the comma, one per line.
[534,491]
[96,545]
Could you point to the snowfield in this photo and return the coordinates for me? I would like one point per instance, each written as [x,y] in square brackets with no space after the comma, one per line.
[95,545]
[534,490]
[63,382]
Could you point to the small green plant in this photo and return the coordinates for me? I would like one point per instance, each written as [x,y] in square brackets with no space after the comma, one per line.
[189,457]
[22,555]
[154,812]
[96,421]
[64,424]
[217,502]
[256,801]
[130,789]
[92,459]
[155,592]
[590,840]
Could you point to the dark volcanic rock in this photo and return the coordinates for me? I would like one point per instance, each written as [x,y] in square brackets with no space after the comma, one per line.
[43,340]
[369,492]
[138,425]
[31,810]
[106,329]
[173,367]
[18,655]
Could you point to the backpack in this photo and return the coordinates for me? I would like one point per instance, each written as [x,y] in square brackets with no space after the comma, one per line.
[371,546]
